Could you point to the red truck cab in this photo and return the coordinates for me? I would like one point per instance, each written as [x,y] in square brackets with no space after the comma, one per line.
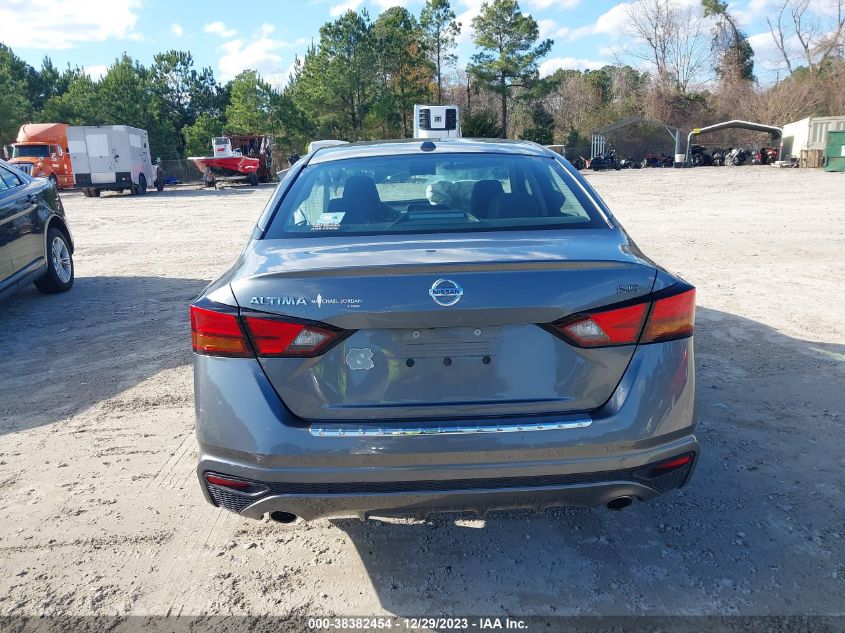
[41,151]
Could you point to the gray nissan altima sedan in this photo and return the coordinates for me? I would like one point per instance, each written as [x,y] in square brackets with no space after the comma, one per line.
[433,326]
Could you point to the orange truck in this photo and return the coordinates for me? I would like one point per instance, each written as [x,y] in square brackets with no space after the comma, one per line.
[42,151]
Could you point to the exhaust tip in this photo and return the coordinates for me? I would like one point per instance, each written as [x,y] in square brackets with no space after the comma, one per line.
[283,517]
[619,503]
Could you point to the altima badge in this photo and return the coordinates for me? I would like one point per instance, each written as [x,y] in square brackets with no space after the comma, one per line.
[446,292]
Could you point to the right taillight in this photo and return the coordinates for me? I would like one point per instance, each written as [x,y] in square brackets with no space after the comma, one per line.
[666,316]
[671,318]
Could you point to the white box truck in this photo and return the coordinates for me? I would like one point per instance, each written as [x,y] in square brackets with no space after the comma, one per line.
[432,121]
[112,157]
[809,133]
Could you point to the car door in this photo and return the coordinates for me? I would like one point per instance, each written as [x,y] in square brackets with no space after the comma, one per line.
[6,212]
[26,244]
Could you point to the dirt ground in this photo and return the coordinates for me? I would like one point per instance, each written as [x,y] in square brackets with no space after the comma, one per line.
[101,512]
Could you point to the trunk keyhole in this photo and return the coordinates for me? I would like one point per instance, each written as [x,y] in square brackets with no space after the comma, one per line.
[409,362]
[447,361]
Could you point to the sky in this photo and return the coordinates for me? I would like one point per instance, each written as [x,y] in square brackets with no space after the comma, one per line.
[266,36]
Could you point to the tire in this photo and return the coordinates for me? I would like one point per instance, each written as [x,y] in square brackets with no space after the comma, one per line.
[142,185]
[253,179]
[59,276]
[86,192]
[90,192]
[159,185]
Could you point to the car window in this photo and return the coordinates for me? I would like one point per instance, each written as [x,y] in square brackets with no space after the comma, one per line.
[10,180]
[432,193]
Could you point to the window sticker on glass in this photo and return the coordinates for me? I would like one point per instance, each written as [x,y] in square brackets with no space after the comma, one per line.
[329,221]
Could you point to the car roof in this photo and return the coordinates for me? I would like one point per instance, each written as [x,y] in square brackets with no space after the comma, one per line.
[405,147]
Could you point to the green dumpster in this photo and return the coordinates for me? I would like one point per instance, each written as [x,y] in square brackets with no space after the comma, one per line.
[835,151]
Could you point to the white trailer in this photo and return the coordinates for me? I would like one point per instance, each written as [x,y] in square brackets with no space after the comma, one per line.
[432,121]
[809,133]
[112,157]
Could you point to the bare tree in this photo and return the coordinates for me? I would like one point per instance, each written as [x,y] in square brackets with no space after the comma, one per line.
[819,37]
[672,39]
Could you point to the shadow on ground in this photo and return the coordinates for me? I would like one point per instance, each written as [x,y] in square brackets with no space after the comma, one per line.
[64,353]
[758,531]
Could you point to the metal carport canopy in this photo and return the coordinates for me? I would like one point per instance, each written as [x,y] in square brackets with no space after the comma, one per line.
[599,136]
[775,131]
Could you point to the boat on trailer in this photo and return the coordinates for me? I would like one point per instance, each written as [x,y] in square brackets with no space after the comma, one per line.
[227,164]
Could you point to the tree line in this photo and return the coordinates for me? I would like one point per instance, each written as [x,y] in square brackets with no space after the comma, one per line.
[361,78]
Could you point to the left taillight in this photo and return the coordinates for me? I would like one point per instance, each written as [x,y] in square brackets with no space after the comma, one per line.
[223,333]
[218,334]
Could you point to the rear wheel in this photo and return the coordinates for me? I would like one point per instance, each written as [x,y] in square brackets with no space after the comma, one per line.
[253,179]
[59,275]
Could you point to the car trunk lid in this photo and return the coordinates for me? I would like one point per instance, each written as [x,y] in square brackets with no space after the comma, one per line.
[444,326]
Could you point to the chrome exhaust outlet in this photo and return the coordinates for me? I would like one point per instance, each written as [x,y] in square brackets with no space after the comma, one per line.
[619,503]
[283,517]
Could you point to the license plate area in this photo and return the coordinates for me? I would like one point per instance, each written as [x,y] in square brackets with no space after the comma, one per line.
[446,343]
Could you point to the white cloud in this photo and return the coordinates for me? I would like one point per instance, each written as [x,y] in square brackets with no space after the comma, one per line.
[471,9]
[386,4]
[768,60]
[45,24]
[177,30]
[348,5]
[551,29]
[611,22]
[96,72]
[540,5]
[569,63]
[219,28]
[261,52]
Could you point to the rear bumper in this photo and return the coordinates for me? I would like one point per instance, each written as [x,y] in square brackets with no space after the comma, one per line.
[245,431]
[483,493]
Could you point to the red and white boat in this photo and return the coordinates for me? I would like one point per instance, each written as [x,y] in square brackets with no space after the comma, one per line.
[226,164]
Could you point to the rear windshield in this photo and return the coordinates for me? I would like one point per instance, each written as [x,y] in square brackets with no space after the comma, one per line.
[432,193]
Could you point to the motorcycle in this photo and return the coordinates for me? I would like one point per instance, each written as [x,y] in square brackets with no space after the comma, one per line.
[605,161]
[719,156]
[765,156]
[580,163]
[738,156]
[699,157]
[650,160]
